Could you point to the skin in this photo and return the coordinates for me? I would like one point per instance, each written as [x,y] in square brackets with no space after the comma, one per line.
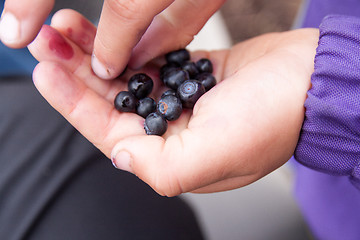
[241,130]
[140,24]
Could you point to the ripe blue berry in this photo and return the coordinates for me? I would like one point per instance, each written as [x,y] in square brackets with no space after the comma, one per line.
[189,92]
[206,79]
[187,81]
[155,124]
[167,68]
[173,79]
[140,85]
[169,92]
[179,56]
[191,68]
[125,102]
[145,106]
[204,65]
[170,107]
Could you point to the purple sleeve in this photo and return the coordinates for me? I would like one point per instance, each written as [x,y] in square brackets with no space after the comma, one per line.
[330,137]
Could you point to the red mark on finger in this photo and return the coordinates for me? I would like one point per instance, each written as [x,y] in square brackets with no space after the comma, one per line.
[84,39]
[69,32]
[60,47]
[80,37]
[57,43]
[89,32]
[87,25]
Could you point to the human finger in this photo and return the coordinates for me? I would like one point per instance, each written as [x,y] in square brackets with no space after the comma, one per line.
[181,163]
[174,28]
[121,25]
[22,20]
[65,79]
[51,45]
[94,116]
[75,27]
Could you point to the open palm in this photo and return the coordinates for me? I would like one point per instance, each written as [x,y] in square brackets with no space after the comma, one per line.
[242,129]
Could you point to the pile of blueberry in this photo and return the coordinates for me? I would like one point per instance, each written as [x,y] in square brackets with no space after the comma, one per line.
[186,81]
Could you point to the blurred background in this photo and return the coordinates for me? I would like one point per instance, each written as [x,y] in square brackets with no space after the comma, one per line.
[265,209]
[245,19]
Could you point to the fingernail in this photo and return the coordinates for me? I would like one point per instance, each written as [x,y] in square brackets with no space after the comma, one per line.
[99,68]
[9,28]
[122,161]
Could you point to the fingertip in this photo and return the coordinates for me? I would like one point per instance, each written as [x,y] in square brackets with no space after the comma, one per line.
[163,164]
[38,70]
[35,74]
[75,27]
[122,160]
[44,70]
[143,156]
[21,21]
[132,152]
[10,30]
[53,46]
[113,45]
[100,69]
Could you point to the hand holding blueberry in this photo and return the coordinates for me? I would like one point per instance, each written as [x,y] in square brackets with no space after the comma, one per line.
[183,92]
[159,25]
[240,130]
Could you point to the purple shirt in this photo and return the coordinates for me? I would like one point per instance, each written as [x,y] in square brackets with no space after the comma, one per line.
[328,188]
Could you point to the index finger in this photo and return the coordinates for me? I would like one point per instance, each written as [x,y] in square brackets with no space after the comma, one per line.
[121,25]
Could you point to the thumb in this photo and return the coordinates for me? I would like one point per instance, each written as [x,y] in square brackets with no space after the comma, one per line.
[22,20]
[173,166]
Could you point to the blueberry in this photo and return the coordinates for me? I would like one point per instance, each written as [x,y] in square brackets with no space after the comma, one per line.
[169,92]
[206,79]
[189,92]
[145,106]
[140,85]
[191,68]
[170,107]
[155,124]
[167,68]
[125,102]
[204,65]
[179,56]
[173,79]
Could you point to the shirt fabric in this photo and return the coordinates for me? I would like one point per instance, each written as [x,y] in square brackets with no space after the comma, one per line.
[327,180]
